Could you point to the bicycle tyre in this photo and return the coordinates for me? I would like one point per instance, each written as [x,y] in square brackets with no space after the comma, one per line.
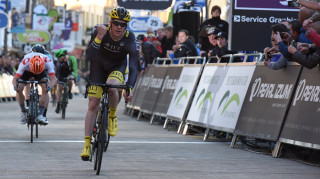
[36,107]
[63,115]
[107,143]
[31,137]
[99,152]
[31,118]
[101,139]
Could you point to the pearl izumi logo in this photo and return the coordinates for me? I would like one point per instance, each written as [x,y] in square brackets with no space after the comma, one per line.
[306,93]
[270,90]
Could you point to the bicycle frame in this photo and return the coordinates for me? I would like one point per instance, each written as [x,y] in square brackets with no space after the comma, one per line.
[64,99]
[100,141]
[33,110]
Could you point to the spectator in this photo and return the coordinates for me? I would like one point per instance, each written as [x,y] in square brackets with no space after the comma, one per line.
[313,58]
[153,38]
[168,41]
[170,53]
[309,4]
[283,40]
[222,49]
[215,21]
[286,23]
[187,47]
[304,14]
[212,33]
[149,51]
[269,51]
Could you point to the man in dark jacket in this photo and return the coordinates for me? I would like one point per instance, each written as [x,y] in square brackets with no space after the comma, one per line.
[216,22]
[187,47]
[168,41]
[222,48]
[149,51]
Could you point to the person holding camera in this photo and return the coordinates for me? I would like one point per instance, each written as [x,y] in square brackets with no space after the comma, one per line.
[313,58]
[305,3]
[283,39]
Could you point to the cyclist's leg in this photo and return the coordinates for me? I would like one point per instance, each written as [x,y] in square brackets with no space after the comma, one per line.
[94,93]
[44,99]
[20,97]
[70,87]
[59,94]
[116,78]
[93,108]
[26,94]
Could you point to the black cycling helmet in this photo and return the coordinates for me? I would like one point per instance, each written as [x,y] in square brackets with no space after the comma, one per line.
[141,37]
[38,48]
[61,52]
[120,13]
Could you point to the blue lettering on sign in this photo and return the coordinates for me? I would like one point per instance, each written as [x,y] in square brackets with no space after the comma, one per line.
[3,20]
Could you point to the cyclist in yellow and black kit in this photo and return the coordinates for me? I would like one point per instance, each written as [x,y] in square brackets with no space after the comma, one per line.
[107,51]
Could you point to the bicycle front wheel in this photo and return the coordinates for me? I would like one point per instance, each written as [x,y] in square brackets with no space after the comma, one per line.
[99,149]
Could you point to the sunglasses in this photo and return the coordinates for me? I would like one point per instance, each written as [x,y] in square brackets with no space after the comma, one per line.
[116,23]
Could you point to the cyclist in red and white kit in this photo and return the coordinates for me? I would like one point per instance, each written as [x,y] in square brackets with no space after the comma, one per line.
[33,65]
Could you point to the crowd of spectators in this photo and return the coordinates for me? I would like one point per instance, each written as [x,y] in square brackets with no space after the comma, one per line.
[8,65]
[296,41]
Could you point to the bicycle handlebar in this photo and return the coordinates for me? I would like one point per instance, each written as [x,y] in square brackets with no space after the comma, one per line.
[28,82]
[66,79]
[107,85]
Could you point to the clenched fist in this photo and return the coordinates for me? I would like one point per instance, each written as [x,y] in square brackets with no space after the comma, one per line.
[102,30]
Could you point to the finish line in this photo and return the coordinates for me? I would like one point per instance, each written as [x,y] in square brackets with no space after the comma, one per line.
[119,142]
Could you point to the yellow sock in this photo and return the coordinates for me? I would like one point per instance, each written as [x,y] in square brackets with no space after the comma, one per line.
[87,140]
[112,112]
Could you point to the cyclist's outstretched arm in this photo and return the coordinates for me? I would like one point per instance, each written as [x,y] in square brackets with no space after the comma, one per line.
[74,66]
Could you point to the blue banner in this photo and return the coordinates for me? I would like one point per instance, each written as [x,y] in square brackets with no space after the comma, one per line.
[18,15]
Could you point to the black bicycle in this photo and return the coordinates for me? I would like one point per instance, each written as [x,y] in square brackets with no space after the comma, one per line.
[33,109]
[100,141]
[64,99]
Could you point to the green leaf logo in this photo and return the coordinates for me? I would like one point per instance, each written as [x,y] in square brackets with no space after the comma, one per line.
[202,92]
[178,93]
[235,98]
[207,96]
[185,94]
[225,96]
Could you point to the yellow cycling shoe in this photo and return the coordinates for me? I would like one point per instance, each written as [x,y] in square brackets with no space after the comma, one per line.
[86,153]
[113,126]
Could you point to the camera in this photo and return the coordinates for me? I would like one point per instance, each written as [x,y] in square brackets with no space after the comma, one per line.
[293,4]
[267,56]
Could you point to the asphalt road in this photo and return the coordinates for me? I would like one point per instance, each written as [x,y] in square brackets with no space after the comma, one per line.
[140,150]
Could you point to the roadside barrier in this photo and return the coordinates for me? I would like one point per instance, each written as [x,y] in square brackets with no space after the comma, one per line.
[246,99]
[7,92]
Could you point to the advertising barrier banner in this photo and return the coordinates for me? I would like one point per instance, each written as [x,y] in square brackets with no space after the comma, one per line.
[135,91]
[183,91]
[229,100]
[266,102]
[167,90]
[209,85]
[153,89]
[143,88]
[302,123]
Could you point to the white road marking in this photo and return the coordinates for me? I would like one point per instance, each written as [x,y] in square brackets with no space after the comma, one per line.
[119,142]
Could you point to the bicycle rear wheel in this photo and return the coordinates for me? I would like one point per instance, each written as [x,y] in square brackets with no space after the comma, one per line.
[64,103]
